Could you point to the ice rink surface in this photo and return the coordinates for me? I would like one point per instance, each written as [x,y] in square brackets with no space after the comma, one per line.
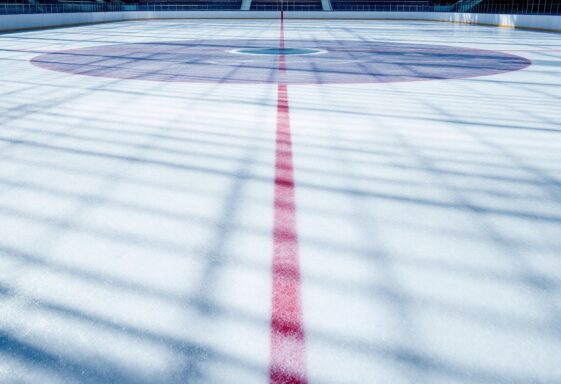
[136,216]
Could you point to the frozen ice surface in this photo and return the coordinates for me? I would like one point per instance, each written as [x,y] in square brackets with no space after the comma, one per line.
[136,216]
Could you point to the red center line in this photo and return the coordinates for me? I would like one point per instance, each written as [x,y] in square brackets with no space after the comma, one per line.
[288,347]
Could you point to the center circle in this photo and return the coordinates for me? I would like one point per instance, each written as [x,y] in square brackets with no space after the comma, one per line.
[279,51]
[243,61]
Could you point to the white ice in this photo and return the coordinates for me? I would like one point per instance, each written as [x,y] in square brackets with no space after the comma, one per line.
[136,216]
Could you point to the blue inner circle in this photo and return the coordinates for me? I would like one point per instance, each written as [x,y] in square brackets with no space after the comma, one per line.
[278,51]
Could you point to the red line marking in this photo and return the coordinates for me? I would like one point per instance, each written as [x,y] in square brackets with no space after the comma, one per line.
[288,346]
[282,59]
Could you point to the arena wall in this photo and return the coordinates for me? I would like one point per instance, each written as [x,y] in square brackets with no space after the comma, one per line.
[30,21]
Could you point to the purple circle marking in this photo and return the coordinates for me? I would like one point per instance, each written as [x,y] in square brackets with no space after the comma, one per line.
[341,61]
